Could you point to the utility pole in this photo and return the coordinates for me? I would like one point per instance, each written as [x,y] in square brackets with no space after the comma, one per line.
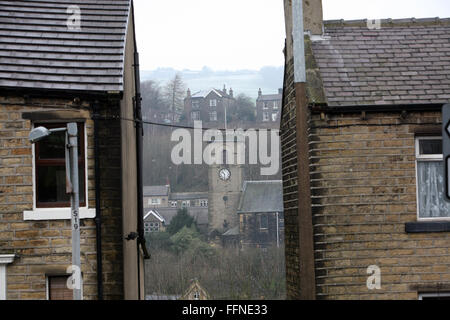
[72,161]
[72,188]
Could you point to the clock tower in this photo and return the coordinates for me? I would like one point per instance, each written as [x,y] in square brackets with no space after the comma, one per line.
[225,179]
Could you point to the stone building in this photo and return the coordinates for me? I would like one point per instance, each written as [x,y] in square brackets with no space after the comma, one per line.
[156,196]
[261,222]
[362,157]
[166,204]
[268,107]
[209,106]
[195,292]
[154,222]
[52,74]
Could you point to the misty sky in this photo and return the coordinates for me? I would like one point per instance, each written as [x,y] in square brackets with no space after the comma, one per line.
[243,34]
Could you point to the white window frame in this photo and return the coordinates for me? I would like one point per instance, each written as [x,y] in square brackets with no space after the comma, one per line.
[186,204]
[59,213]
[423,158]
[213,103]
[265,105]
[154,201]
[173,204]
[213,116]
[433,295]
[5,259]
[266,116]
[203,203]
[275,105]
[154,227]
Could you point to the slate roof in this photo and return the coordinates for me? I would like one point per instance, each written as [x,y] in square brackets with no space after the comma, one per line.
[270,97]
[167,214]
[404,62]
[38,50]
[150,191]
[261,196]
[188,195]
[205,93]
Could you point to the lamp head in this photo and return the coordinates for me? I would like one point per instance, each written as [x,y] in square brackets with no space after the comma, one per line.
[37,134]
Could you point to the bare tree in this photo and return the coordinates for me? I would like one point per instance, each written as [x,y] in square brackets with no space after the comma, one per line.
[175,93]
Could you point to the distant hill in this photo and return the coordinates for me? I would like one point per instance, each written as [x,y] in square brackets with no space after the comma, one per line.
[269,79]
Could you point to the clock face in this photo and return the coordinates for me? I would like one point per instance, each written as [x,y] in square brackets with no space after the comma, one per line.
[224,174]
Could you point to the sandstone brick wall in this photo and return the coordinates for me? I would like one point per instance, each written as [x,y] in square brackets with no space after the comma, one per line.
[44,247]
[290,194]
[363,192]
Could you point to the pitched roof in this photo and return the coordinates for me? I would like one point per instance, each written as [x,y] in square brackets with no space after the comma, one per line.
[167,214]
[155,214]
[261,196]
[270,97]
[188,195]
[205,93]
[404,62]
[38,49]
[150,191]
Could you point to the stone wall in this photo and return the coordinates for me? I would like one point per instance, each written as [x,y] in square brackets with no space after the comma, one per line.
[290,183]
[364,191]
[44,247]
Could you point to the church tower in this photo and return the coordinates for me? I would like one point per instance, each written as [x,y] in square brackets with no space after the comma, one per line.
[225,179]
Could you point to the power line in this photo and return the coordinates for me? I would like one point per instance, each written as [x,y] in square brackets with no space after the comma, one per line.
[173,125]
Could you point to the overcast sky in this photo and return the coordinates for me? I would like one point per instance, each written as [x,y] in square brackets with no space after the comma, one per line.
[242,34]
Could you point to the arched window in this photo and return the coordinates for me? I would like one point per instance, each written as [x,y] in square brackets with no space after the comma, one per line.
[224,157]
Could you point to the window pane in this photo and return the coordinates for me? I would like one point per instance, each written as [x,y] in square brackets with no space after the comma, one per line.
[430,184]
[51,186]
[53,146]
[433,146]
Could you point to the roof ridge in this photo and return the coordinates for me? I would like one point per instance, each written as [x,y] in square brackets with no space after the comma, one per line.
[389,21]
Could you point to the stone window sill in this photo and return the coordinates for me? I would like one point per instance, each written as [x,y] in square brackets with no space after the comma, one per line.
[56,214]
[427,226]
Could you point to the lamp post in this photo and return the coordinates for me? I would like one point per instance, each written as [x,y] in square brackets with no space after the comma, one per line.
[72,187]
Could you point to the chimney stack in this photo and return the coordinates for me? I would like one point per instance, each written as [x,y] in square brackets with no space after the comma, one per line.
[231,92]
[259,93]
[313,16]
[188,93]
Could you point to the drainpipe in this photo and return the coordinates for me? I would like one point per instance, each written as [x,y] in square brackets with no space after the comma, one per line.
[139,158]
[306,234]
[98,210]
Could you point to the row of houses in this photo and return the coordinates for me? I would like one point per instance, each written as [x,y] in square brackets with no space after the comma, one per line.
[211,106]
[259,213]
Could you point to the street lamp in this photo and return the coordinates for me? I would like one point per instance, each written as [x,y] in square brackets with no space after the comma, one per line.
[72,187]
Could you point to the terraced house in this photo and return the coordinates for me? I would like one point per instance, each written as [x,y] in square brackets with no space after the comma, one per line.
[60,64]
[362,157]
